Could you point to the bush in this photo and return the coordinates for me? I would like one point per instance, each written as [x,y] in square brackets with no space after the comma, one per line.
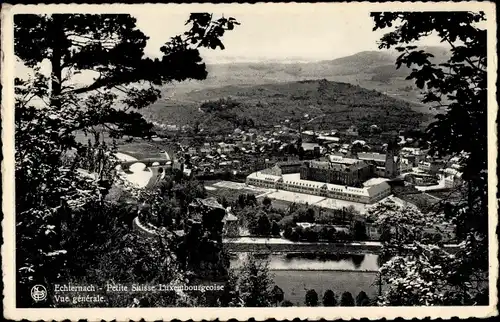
[329,298]
[263,226]
[275,229]
[359,231]
[327,233]
[325,218]
[307,215]
[274,217]
[311,298]
[342,236]
[288,232]
[278,294]
[346,299]
[287,222]
[295,235]
[310,235]
[362,299]
[267,201]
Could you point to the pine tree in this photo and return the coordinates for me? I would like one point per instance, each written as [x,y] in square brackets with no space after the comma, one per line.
[329,298]
[255,284]
[362,299]
[311,298]
[346,299]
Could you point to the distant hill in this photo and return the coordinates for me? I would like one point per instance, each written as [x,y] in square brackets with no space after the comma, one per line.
[328,105]
[369,69]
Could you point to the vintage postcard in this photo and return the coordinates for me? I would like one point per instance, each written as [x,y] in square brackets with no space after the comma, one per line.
[270,160]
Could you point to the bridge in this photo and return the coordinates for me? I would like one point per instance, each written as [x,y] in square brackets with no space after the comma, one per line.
[148,162]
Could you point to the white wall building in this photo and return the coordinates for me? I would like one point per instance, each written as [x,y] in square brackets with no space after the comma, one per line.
[452,177]
[292,182]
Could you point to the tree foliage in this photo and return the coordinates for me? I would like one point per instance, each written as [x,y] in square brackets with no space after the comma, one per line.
[362,299]
[430,275]
[51,189]
[329,298]
[311,298]
[254,284]
[346,299]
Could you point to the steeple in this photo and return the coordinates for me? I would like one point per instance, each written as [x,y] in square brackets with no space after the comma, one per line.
[391,168]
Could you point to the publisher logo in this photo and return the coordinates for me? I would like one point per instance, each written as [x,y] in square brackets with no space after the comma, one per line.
[38,293]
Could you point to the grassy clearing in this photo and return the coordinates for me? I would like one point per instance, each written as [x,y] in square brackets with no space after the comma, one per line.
[228,193]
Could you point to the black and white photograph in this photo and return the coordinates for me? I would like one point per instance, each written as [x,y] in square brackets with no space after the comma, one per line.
[318,157]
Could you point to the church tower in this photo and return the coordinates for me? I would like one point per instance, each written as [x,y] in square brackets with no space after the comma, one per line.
[391,160]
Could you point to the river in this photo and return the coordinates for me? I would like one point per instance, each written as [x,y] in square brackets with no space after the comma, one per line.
[296,273]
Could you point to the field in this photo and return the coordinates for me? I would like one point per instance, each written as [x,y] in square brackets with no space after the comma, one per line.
[295,197]
[339,204]
[279,204]
[296,283]
[142,149]
[281,199]
[231,190]
[137,148]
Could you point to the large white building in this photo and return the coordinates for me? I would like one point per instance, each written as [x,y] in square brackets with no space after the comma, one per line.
[291,182]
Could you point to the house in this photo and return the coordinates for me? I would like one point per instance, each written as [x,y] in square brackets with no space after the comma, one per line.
[327,138]
[308,136]
[429,166]
[406,164]
[352,131]
[230,221]
[305,225]
[453,177]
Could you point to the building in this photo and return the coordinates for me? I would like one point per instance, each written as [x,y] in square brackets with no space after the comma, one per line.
[352,131]
[230,224]
[327,138]
[262,179]
[292,166]
[405,164]
[292,182]
[308,136]
[383,165]
[430,166]
[453,178]
[312,148]
[338,170]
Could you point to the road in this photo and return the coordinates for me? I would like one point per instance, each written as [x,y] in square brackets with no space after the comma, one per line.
[265,245]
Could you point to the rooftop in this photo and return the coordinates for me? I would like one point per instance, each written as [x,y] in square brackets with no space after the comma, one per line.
[208,202]
[371,156]
[342,160]
[264,176]
[365,191]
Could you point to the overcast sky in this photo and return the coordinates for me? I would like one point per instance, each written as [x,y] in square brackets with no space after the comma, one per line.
[278,32]
[309,33]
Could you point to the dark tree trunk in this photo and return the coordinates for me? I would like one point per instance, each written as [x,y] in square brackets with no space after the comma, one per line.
[58,39]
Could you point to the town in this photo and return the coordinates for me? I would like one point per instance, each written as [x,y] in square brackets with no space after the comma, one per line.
[325,169]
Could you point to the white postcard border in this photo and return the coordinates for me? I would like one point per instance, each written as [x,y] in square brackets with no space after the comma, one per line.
[97,314]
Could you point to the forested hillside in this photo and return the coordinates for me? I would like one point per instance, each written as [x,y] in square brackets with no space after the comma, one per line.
[319,104]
